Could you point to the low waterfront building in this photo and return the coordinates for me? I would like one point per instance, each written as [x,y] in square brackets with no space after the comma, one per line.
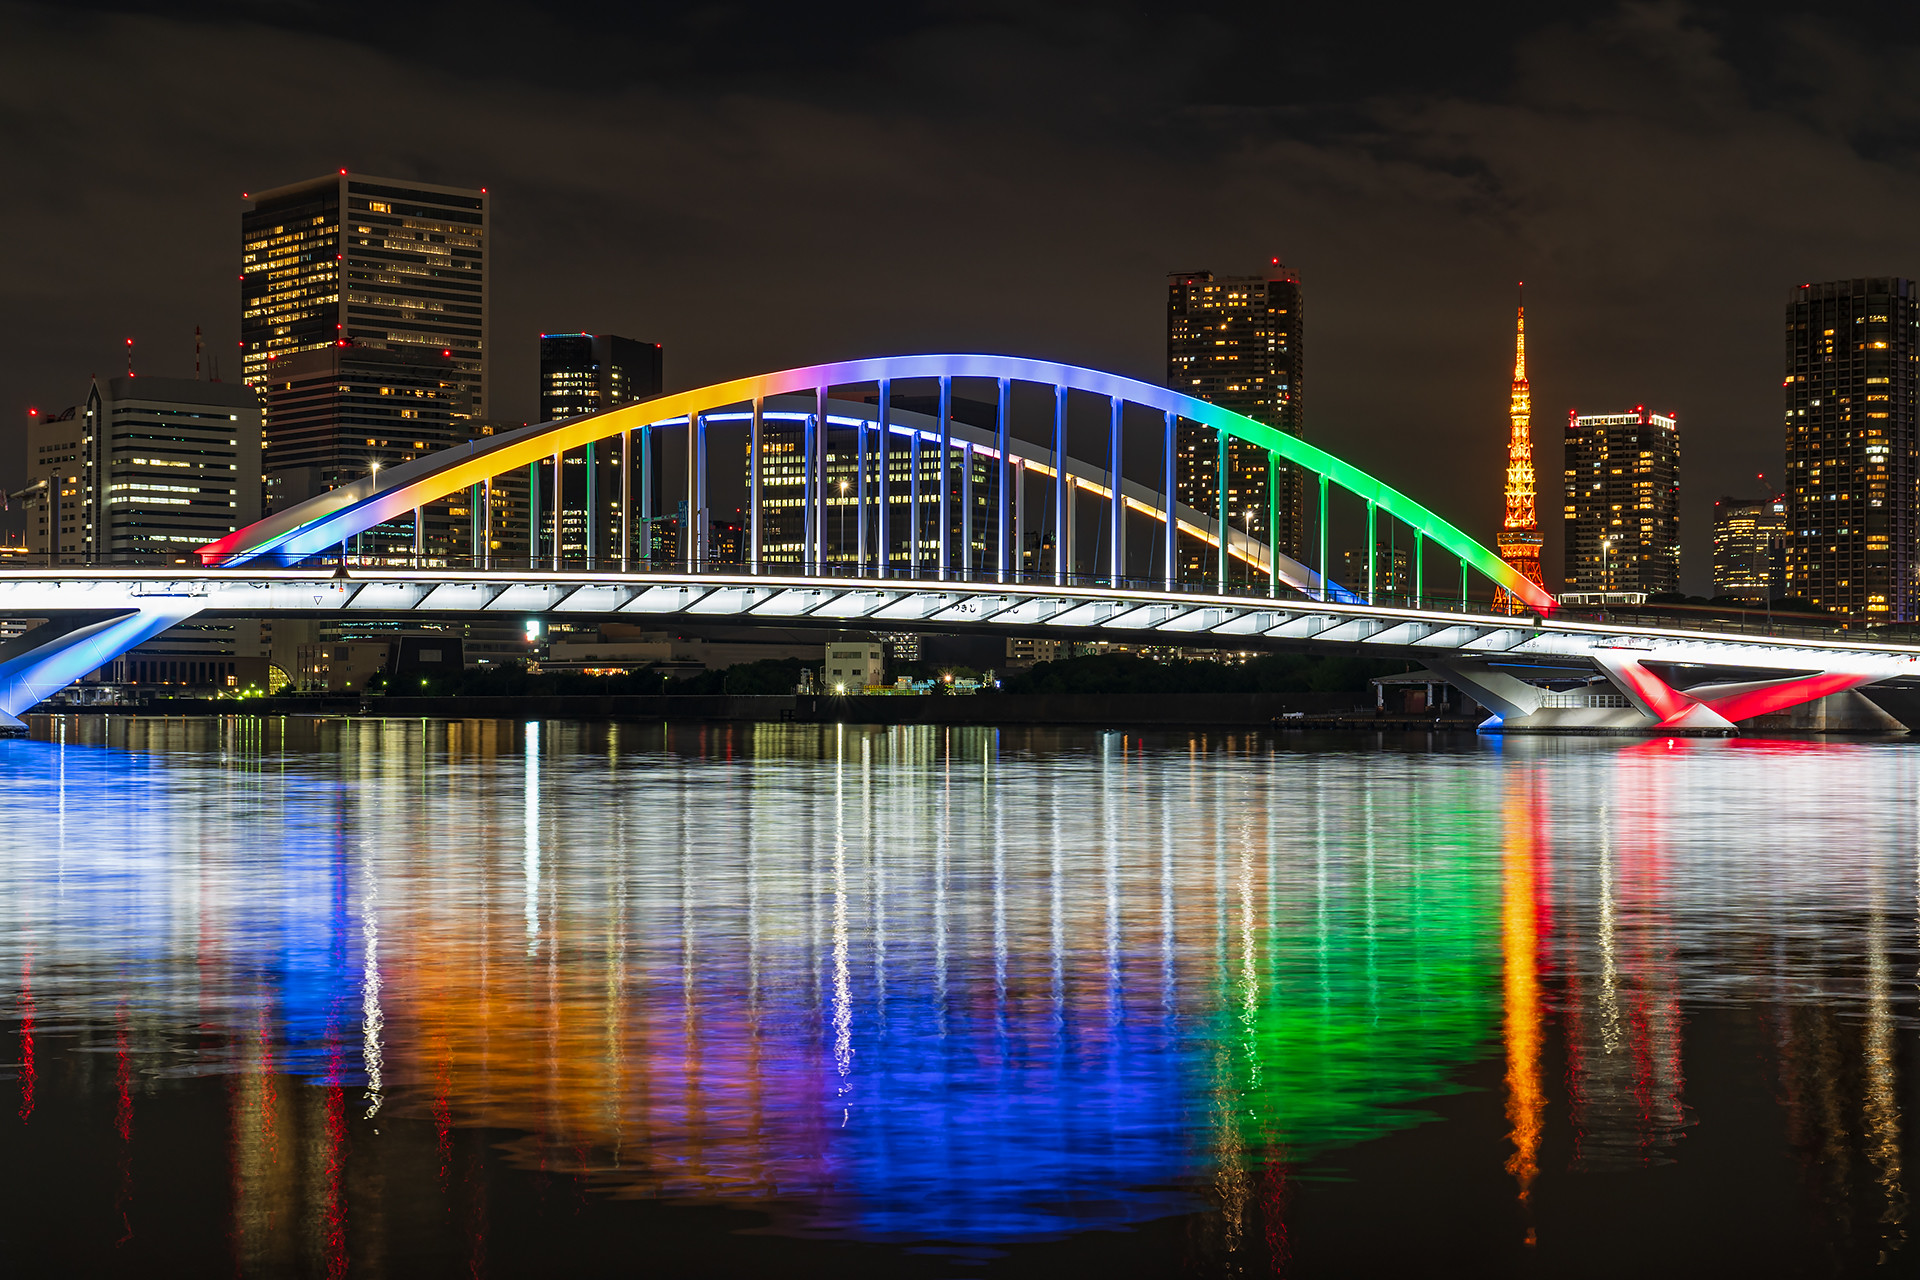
[852,665]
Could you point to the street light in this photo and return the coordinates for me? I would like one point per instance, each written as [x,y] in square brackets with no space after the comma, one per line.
[843,517]
[1249,533]
[1606,574]
[360,539]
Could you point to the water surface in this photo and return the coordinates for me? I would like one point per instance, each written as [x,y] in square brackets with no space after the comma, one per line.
[336,997]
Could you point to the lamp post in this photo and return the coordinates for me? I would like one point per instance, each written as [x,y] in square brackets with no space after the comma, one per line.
[843,517]
[359,539]
[1606,574]
[1249,530]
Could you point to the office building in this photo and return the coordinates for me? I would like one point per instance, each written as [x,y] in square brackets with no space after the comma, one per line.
[340,410]
[1853,481]
[1236,341]
[336,413]
[580,374]
[1749,548]
[583,373]
[373,262]
[170,464]
[175,464]
[56,499]
[1621,488]
[146,471]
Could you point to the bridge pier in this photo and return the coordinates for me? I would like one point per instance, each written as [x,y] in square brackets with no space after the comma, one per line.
[1642,701]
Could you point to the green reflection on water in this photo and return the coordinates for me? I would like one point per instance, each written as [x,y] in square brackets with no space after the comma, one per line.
[1366,974]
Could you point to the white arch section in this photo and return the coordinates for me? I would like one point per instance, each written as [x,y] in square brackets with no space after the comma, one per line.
[329,519]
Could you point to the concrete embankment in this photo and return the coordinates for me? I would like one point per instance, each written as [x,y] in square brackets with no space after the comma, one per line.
[1112,710]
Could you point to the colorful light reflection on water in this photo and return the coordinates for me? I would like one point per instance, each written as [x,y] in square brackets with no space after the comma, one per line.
[941,986]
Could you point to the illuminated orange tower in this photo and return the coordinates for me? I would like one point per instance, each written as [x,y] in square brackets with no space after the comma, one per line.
[1520,531]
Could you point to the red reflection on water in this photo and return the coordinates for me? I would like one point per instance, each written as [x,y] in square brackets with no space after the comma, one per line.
[333,1197]
[443,1115]
[29,1073]
[123,1118]
[1275,1191]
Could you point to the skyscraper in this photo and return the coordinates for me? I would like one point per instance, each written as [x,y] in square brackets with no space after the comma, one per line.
[1853,480]
[1748,547]
[1622,502]
[374,262]
[336,413]
[1519,541]
[1236,341]
[582,373]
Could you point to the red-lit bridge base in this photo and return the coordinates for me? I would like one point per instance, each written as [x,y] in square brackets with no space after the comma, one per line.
[1718,706]
[1654,706]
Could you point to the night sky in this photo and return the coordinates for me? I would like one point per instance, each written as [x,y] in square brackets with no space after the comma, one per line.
[758,188]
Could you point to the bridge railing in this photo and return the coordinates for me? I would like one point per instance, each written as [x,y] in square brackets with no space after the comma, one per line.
[1754,621]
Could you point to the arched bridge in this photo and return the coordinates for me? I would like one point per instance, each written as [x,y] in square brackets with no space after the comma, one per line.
[873,497]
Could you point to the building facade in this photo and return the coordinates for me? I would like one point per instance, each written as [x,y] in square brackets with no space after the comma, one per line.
[373,262]
[1749,548]
[583,373]
[914,477]
[336,413]
[580,374]
[1853,479]
[146,471]
[174,465]
[1392,572]
[1621,488]
[1237,341]
[57,498]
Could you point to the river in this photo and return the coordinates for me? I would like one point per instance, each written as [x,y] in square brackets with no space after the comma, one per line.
[340,997]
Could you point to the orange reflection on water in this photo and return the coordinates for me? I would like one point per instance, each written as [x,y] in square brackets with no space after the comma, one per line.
[1519,943]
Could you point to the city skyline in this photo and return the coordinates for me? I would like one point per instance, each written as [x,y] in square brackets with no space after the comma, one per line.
[1411,254]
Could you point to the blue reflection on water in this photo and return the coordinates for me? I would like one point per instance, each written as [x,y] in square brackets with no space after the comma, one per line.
[905,984]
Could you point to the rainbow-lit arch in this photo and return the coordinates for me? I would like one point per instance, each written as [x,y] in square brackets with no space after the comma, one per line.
[328,519]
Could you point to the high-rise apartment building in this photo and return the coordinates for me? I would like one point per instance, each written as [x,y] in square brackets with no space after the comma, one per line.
[1622,502]
[1749,537]
[582,373]
[372,262]
[1853,479]
[1236,341]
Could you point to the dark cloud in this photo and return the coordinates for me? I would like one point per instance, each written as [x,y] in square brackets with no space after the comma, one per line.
[760,187]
